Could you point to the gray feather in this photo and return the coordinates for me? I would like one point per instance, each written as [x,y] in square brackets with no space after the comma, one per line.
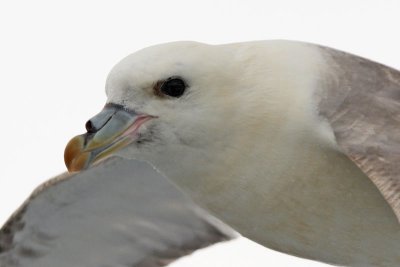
[120,213]
[361,101]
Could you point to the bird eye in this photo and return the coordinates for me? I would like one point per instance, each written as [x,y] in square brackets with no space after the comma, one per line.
[174,87]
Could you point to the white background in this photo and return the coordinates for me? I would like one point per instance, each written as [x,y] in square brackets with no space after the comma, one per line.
[55,55]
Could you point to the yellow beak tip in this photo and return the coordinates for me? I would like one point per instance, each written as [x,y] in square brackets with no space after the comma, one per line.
[74,156]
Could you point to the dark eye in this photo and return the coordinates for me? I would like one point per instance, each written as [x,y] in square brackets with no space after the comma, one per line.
[174,87]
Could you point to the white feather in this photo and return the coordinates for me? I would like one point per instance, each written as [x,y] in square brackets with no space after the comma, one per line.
[245,142]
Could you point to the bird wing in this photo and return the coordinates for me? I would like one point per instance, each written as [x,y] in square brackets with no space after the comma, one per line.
[360,99]
[119,213]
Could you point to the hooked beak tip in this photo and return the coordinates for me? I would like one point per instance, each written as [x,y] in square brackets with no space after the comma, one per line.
[74,156]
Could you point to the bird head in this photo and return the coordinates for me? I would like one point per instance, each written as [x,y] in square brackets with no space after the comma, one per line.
[165,104]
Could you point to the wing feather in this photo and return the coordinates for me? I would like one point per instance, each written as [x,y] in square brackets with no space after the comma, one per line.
[120,213]
[361,101]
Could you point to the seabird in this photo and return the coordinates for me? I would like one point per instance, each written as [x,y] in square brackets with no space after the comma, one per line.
[291,144]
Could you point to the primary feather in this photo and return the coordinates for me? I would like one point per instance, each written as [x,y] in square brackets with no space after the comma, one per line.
[122,213]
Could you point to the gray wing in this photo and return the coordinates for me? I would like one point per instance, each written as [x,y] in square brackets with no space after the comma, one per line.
[118,214]
[361,101]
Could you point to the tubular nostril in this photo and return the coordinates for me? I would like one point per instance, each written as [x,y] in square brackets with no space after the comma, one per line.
[89,127]
[96,123]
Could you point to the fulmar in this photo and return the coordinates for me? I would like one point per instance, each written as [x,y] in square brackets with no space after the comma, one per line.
[293,145]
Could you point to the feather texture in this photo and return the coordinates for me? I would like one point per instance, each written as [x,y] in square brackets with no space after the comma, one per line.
[361,101]
[120,213]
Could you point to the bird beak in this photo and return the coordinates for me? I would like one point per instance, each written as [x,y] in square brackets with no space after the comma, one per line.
[109,131]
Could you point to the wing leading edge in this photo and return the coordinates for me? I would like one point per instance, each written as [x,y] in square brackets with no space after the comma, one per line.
[119,213]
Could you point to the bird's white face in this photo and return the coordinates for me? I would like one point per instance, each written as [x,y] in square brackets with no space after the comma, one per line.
[166,104]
